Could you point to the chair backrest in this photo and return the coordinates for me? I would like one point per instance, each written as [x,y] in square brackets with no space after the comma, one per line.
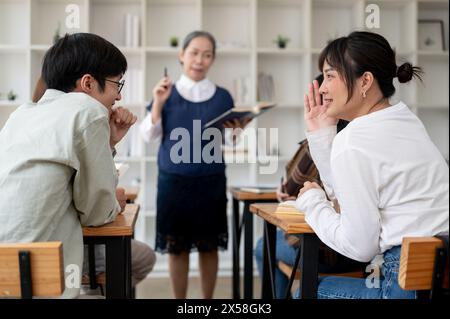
[46,267]
[417,263]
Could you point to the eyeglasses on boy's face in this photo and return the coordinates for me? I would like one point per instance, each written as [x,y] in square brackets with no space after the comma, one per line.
[119,84]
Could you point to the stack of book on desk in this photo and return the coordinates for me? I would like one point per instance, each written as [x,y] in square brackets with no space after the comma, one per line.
[287,207]
[258,189]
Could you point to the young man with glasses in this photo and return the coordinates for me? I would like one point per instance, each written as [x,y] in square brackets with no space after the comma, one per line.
[57,172]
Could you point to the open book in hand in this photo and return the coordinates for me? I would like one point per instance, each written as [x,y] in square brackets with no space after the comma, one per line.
[287,207]
[240,113]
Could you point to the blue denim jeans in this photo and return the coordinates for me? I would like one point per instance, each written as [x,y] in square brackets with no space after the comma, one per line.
[331,287]
[284,253]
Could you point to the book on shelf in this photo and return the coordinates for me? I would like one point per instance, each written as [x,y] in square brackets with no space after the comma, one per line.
[258,189]
[240,113]
[266,87]
[287,207]
[241,90]
[133,88]
[132,34]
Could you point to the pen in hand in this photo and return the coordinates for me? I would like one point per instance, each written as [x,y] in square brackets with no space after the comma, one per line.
[165,76]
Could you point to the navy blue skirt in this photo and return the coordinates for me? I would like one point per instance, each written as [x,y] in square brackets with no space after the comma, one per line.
[191,213]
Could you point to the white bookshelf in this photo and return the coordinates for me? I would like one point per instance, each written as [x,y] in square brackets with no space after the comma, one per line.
[245,30]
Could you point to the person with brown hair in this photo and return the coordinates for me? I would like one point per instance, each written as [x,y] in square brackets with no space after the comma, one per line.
[39,90]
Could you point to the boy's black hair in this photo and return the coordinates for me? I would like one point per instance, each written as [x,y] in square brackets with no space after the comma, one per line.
[78,54]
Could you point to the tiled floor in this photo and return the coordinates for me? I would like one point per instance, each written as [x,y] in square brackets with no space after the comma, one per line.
[159,288]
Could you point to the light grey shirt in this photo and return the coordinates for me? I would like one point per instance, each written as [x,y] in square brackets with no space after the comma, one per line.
[56,174]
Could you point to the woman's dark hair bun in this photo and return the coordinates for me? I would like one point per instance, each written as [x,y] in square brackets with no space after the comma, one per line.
[406,71]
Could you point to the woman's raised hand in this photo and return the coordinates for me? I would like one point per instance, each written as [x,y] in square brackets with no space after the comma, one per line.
[315,111]
[162,90]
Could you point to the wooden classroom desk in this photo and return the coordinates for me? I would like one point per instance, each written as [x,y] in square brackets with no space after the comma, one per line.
[116,236]
[309,252]
[247,221]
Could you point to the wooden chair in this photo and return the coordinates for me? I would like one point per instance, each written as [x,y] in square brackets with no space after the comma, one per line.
[424,266]
[31,269]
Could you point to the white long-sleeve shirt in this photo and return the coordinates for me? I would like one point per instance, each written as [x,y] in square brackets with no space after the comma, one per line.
[388,177]
[57,174]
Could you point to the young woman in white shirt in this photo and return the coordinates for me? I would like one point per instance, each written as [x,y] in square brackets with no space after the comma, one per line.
[389,178]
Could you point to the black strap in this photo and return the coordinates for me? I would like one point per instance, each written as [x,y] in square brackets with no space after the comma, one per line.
[440,263]
[25,274]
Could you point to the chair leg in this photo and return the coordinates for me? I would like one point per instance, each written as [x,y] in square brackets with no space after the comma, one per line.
[92,272]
